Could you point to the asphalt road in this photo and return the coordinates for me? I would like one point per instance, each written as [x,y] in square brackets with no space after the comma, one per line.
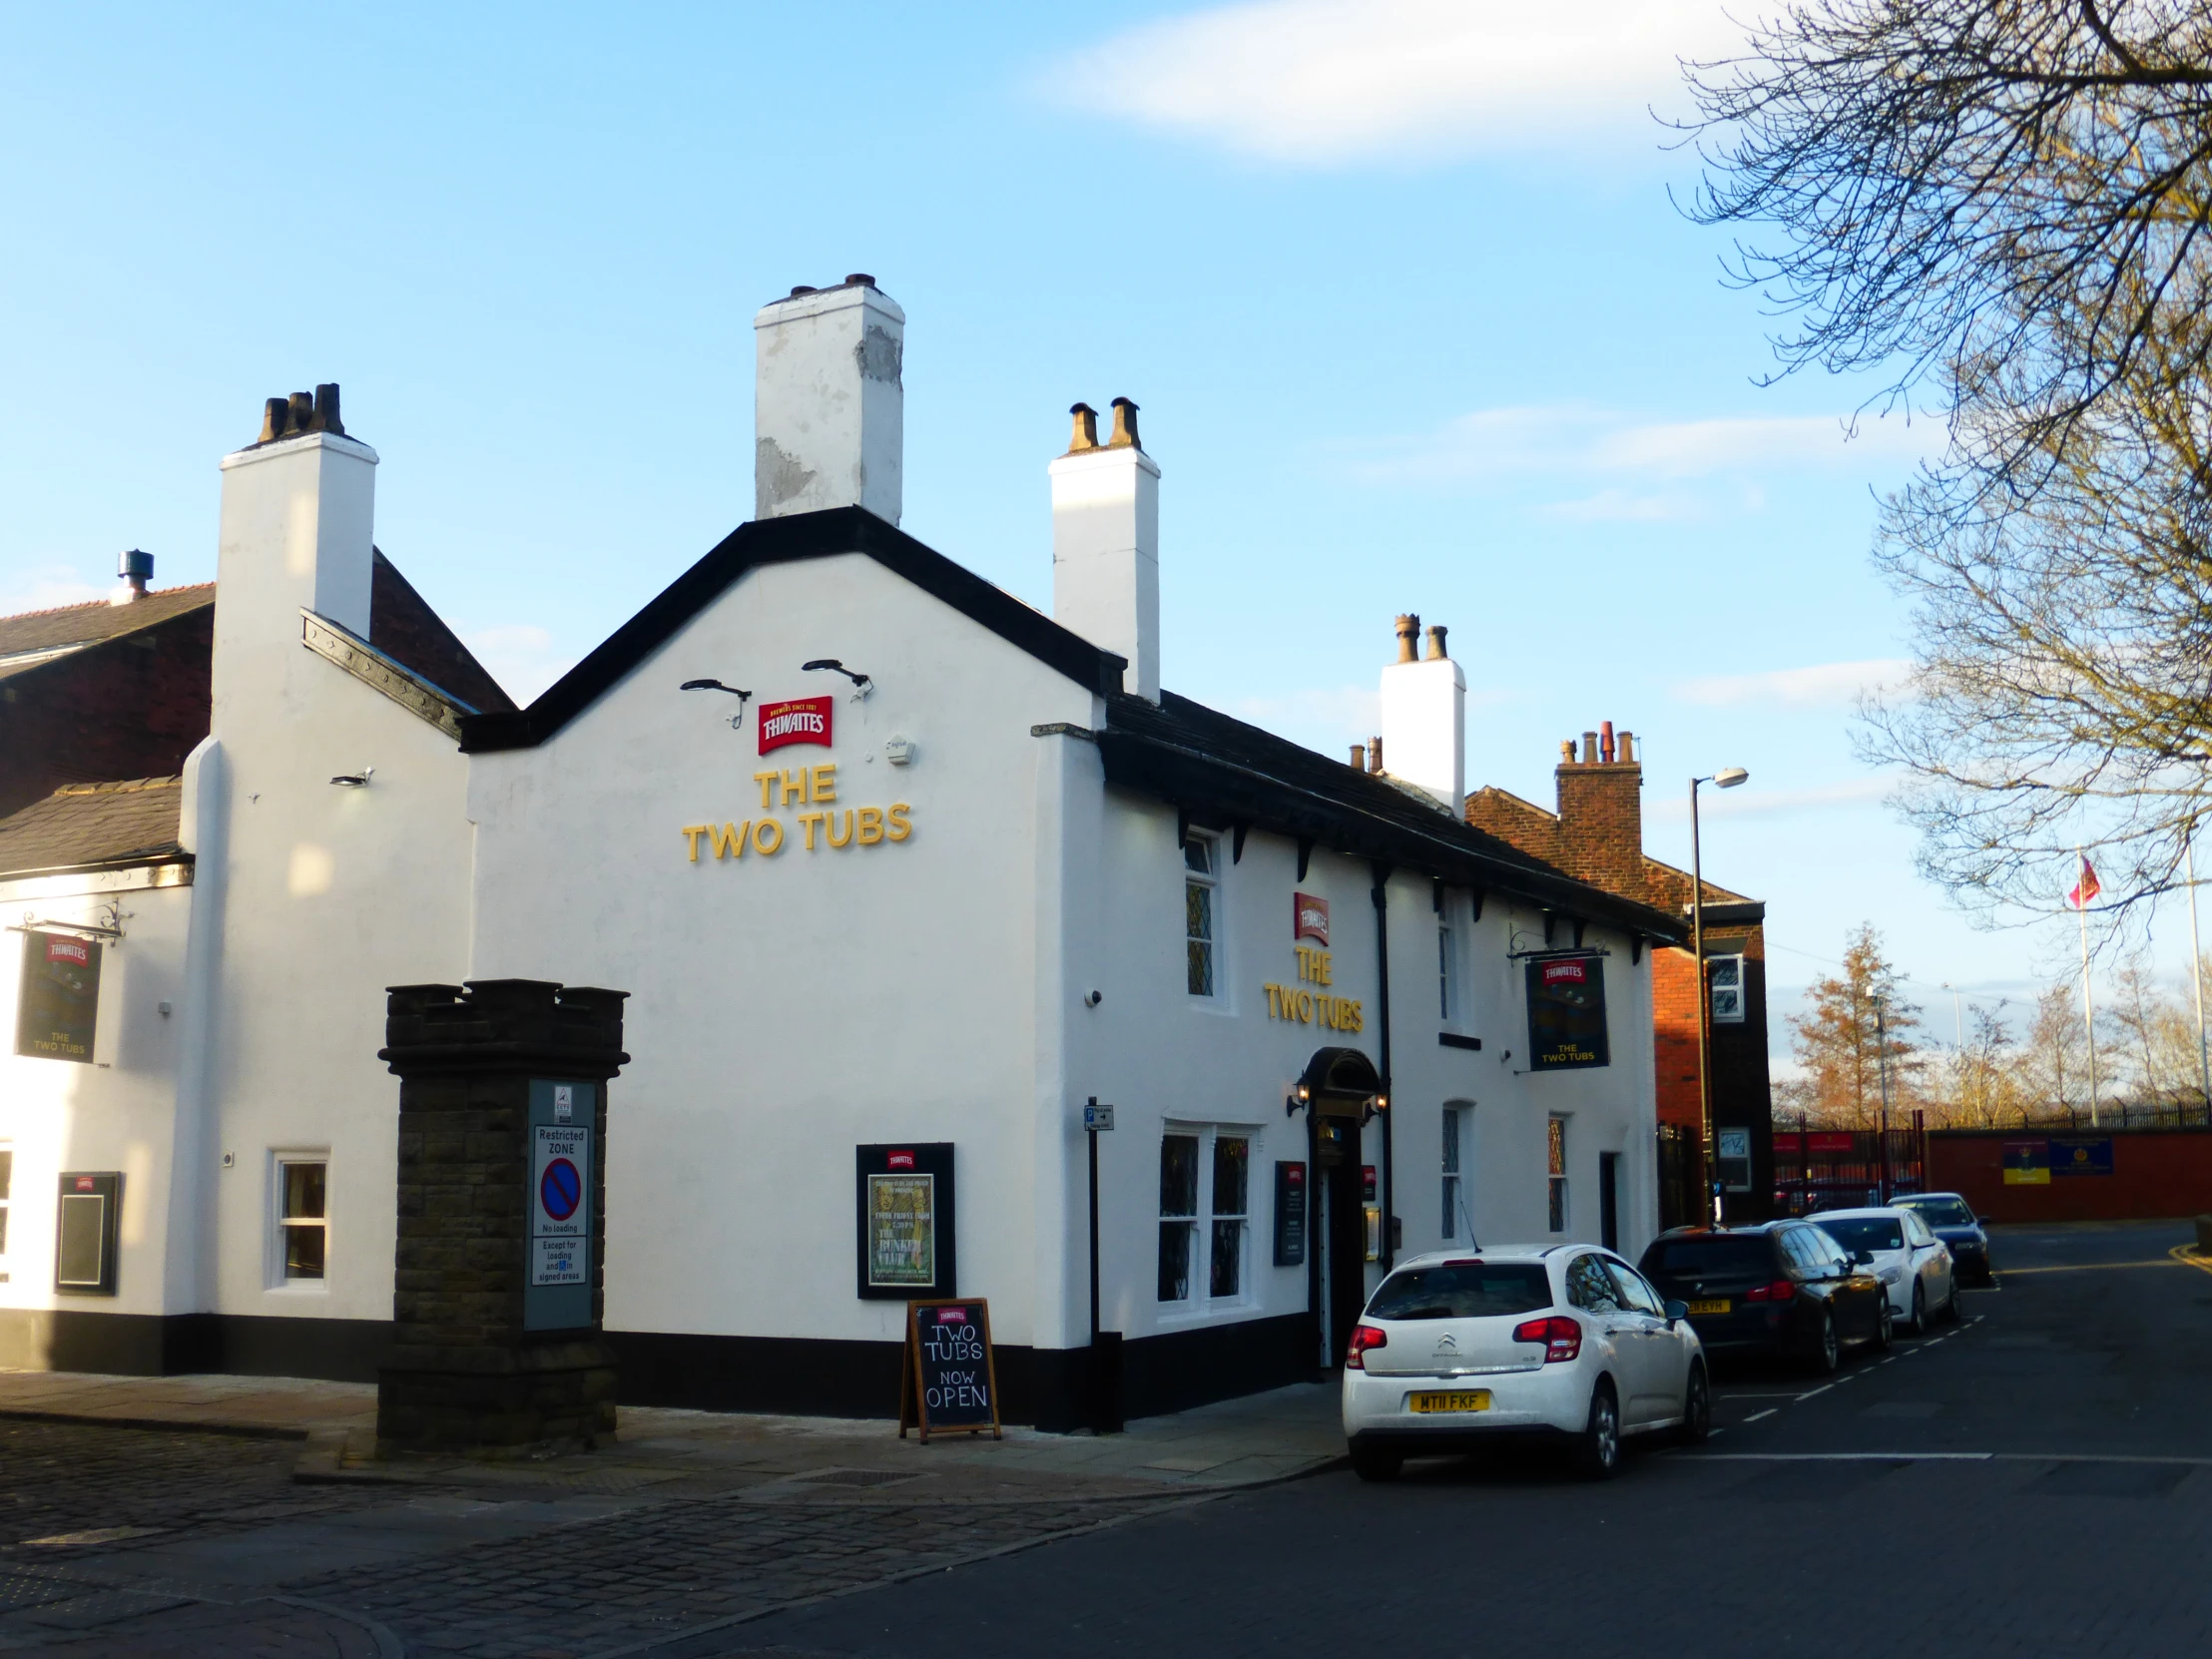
[2036,1480]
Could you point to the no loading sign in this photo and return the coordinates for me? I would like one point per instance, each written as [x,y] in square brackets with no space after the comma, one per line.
[560,1204]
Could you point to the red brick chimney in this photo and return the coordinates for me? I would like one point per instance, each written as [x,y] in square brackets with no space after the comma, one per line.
[1601,812]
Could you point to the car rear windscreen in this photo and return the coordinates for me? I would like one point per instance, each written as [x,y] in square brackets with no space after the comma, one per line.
[1463,1291]
[1942,1212]
[1751,1255]
[1865,1232]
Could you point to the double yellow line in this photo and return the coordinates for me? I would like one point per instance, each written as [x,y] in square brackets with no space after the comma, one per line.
[2187,1256]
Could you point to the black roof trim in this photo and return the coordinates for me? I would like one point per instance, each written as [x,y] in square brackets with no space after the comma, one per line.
[1746,913]
[1208,762]
[778,541]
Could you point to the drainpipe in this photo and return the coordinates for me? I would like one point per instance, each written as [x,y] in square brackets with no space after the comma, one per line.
[1381,896]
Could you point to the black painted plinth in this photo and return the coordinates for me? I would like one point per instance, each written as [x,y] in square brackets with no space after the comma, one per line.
[463,1373]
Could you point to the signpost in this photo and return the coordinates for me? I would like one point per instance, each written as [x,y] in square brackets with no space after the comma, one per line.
[1105,1400]
[949,1383]
[556,1285]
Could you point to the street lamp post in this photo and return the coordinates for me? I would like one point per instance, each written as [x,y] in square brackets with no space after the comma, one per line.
[1725,778]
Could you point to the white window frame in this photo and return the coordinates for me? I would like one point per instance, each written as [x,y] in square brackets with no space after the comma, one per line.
[1450,996]
[279,1225]
[1202,1302]
[1456,1158]
[7,1204]
[1556,1180]
[1211,880]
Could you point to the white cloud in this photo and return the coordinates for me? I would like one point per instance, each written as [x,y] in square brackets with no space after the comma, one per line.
[49,589]
[1325,81]
[1752,802]
[1819,686]
[1517,441]
[520,656]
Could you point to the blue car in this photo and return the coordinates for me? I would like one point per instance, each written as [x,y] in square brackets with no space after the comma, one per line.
[1949,1219]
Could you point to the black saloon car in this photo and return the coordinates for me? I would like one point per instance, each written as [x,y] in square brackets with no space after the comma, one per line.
[1781,1289]
[1949,1219]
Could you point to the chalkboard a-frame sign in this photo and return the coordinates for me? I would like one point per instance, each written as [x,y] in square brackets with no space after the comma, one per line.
[949,1381]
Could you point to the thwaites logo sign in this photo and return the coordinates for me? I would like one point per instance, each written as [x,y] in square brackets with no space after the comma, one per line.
[1308,917]
[800,719]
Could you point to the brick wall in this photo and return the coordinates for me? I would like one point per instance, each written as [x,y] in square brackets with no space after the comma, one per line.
[132,706]
[2155,1172]
[1602,822]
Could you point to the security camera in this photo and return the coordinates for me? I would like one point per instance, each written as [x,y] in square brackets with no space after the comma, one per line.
[1093,999]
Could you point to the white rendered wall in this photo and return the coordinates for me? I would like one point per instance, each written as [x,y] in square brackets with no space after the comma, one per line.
[785,1010]
[1425,728]
[114,1113]
[1106,556]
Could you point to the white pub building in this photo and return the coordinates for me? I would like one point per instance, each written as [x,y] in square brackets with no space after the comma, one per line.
[899,875]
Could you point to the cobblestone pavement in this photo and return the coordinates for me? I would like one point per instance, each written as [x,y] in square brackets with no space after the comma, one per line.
[139,1542]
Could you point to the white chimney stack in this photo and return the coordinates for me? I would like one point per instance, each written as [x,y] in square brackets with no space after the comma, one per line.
[828,411]
[1425,718]
[1106,543]
[299,523]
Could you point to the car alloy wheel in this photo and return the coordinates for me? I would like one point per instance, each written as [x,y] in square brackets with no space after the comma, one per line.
[1885,1324]
[1918,1323]
[1828,1348]
[1951,1309]
[1597,1454]
[1697,1410]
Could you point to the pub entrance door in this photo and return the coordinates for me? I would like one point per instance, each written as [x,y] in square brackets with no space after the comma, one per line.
[1340,1234]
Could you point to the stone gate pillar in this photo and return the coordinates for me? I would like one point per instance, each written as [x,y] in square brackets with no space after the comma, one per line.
[497,1301]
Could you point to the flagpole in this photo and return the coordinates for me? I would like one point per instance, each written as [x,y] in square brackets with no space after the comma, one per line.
[2088,1001]
[2196,968]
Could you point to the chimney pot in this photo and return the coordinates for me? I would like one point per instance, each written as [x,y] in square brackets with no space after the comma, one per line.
[1589,749]
[273,414]
[1566,752]
[1085,436]
[1374,755]
[1359,757]
[133,567]
[1408,631]
[1125,426]
[1437,642]
[300,415]
[327,408]
[1628,748]
[859,280]
[1605,742]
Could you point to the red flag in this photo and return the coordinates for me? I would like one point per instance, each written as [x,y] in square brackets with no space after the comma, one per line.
[2086,888]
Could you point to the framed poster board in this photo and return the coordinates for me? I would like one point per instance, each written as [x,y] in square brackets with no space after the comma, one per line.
[1566,1012]
[1290,1214]
[903,1207]
[59,1010]
[949,1381]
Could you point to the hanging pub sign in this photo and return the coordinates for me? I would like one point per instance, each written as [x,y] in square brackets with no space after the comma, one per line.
[903,1195]
[60,1005]
[949,1381]
[1566,1012]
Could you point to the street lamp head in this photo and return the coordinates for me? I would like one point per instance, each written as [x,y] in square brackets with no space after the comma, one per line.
[1728,776]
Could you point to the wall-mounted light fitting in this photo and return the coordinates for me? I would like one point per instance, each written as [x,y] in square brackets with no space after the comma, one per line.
[355,780]
[737,721]
[862,684]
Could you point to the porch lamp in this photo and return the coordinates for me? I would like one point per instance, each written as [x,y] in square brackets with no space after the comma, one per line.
[1725,778]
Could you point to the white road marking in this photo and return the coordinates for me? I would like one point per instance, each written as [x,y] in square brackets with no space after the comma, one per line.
[1822,1389]
[1756,1415]
[1950,1458]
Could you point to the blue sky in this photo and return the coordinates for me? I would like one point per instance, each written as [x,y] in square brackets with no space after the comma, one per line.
[1397,285]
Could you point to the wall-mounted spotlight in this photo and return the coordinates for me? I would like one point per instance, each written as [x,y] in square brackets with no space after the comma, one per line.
[355,780]
[737,721]
[862,684]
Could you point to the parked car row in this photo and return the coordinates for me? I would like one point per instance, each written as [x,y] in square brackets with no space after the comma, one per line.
[1458,1350]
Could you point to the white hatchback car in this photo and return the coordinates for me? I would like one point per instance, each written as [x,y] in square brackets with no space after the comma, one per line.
[1915,1266]
[1458,1350]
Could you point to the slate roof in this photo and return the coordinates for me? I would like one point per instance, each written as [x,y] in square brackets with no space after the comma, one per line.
[403,626]
[1534,829]
[1212,764]
[95,827]
[34,637]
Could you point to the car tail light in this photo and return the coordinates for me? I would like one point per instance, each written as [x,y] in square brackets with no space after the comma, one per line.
[1780,1291]
[1364,1337]
[1561,1336]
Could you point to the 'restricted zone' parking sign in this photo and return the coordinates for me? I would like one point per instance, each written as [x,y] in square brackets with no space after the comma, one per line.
[557,1271]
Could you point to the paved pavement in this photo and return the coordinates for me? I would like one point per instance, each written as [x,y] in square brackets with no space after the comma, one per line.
[2033,1481]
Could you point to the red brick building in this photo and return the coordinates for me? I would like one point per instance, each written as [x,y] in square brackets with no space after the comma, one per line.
[1597,836]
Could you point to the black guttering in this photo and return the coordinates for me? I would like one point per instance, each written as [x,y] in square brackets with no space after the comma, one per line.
[780,541]
[1744,913]
[1176,751]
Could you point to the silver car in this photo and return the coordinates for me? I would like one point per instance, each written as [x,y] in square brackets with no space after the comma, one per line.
[1915,1266]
